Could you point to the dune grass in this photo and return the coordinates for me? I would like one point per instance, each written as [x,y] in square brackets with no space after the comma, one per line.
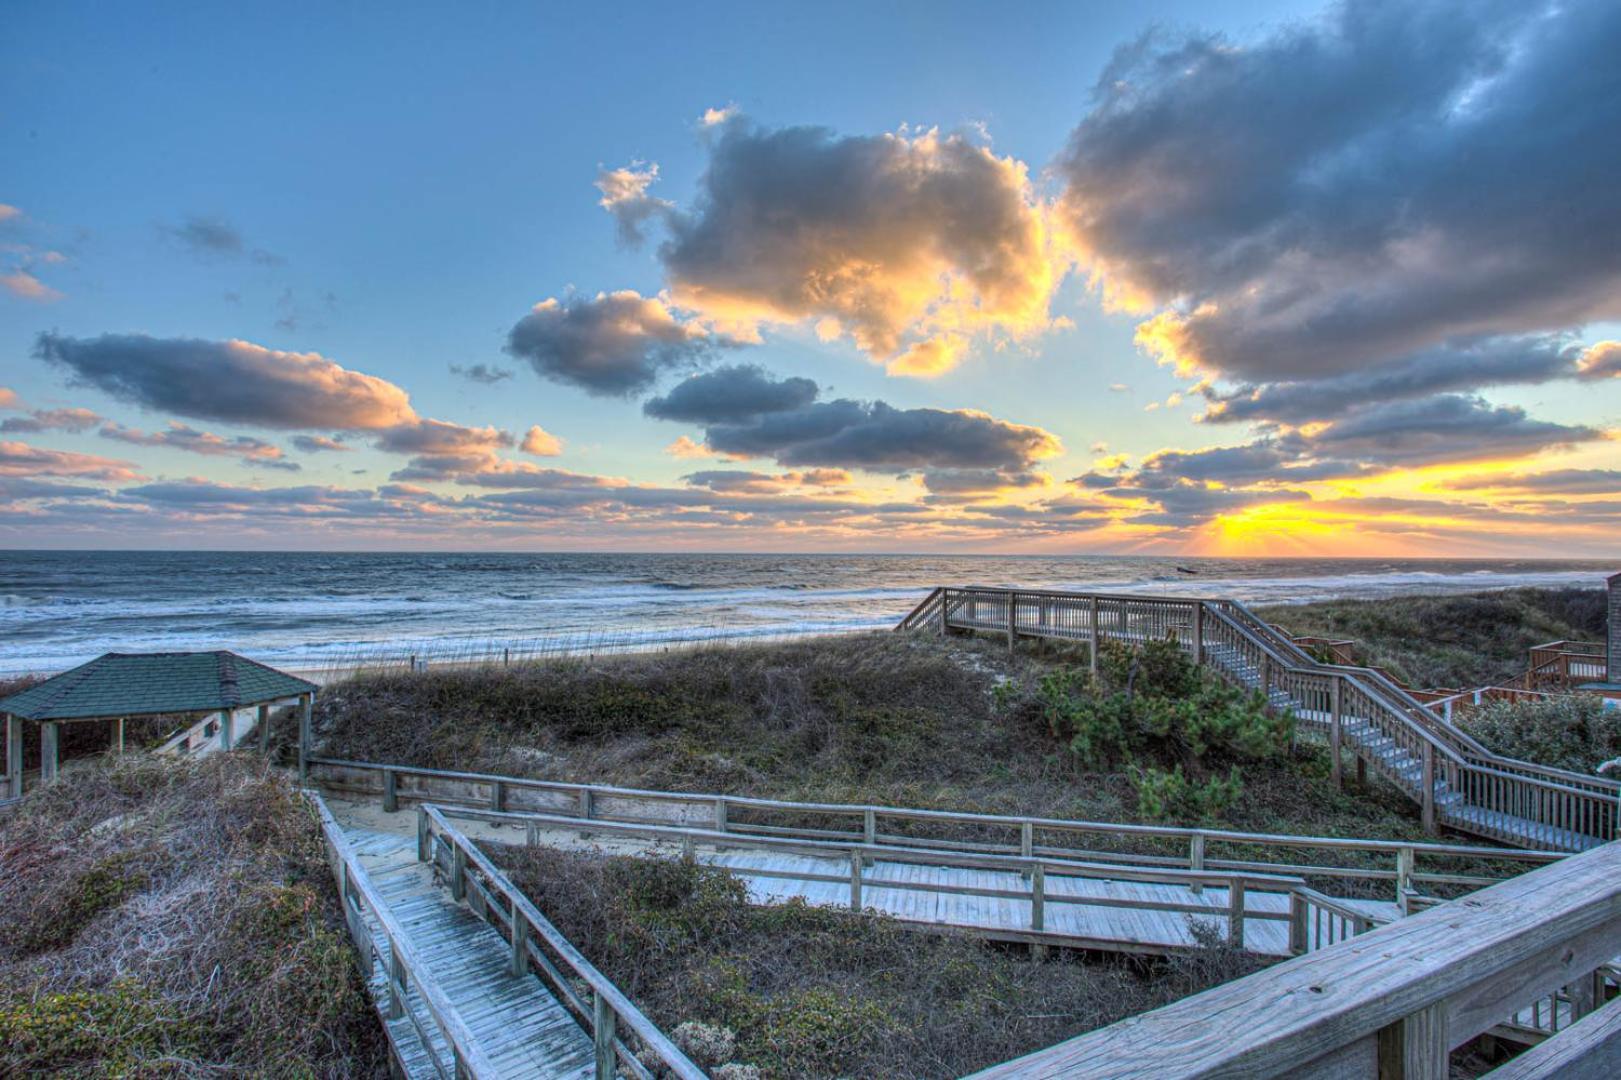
[1451,641]
[161,917]
[796,991]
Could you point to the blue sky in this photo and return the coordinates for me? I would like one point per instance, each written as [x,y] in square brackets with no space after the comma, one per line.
[399,184]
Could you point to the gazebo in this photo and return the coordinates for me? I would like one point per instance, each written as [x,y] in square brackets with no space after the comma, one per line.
[117,686]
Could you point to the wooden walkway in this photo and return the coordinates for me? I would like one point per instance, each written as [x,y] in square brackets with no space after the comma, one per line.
[1076,925]
[521,1028]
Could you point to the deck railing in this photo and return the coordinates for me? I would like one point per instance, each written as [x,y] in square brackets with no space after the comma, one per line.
[540,948]
[1455,779]
[1395,1001]
[1407,866]
[429,1010]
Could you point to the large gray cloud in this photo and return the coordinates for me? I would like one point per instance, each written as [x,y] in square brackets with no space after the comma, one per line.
[248,449]
[612,344]
[731,394]
[230,381]
[749,414]
[1359,189]
[1555,481]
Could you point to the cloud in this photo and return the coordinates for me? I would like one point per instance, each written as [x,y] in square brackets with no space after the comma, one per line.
[315,444]
[759,483]
[541,443]
[9,212]
[9,398]
[25,286]
[747,414]
[482,373]
[178,436]
[20,459]
[624,195]
[1602,361]
[1355,190]
[51,420]
[229,381]
[1451,366]
[980,482]
[686,447]
[731,394]
[1556,481]
[906,243]
[215,238]
[610,345]
[1446,428]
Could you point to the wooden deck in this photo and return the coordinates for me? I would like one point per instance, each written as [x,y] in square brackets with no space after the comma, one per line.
[521,1028]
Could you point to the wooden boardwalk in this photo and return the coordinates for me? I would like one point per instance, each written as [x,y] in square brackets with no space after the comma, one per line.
[1076,925]
[521,1028]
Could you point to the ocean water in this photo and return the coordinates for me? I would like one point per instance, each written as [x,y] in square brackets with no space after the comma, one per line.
[314,612]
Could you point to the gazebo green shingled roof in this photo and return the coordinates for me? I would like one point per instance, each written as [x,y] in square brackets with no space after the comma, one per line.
[146,684]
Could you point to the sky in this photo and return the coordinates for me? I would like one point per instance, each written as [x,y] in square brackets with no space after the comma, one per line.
[1217,278]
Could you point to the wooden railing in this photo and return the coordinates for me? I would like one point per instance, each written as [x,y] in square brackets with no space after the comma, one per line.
[1393,1002]
[539,947]
[1036,875]
[1455,779]
[1408,866]
[403,970]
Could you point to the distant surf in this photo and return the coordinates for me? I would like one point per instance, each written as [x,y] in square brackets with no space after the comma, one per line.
[314,611]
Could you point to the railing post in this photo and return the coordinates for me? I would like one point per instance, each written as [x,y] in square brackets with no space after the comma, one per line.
[1038,897]
[1405,858]
[720,815]
[1235,912]
[391,794]
[1196,860]
[602,1036]
[1092,615]
[423,839]
[1198,631]
[306,703]
[1012,619]
[1429,787]
[1415,1047]
[396,984]
[1027,844]
[516,933]
[855,880]
[1298,941]
[1334,731]
[458,873]
[586,808]
[497,795]
[1266,676]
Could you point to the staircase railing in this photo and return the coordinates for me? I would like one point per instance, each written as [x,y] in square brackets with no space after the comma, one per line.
[1451,774]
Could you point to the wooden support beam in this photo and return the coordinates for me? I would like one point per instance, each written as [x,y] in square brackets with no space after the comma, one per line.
[49,752]
[227,719]
[1415,1047]
[1092,617]
[306,706]
[1198,632]
[1334,715]
[1428,795]
[264,729]
[14,756]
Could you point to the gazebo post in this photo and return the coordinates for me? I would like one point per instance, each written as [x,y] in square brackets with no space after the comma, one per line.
[47,751]
[14,755]
[117,739]
[264,729]
[306,703]
[227,716]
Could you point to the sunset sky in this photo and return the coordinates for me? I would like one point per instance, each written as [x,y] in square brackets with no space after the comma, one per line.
[1210,278]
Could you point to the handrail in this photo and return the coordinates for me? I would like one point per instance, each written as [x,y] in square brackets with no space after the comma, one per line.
[602,801]
[1403,994]
[403,963]
[610,1005]
[1432,760]
[1036,870]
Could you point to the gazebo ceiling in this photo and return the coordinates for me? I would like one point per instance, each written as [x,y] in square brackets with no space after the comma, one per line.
[147,684]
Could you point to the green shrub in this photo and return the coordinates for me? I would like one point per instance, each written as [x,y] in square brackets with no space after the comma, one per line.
[1572,731]
[1162,794]
[117,1031]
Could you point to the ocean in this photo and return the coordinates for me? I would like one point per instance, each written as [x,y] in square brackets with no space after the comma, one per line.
[313,612]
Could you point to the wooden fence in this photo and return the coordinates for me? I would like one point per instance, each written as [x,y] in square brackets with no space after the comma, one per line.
[1409,868]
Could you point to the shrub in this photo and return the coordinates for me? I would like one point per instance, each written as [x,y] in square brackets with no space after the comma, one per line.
[1571,731]
[1162,794]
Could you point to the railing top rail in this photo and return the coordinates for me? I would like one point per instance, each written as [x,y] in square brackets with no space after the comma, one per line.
[888,852]
[627,1011]
[451,1025]
[964,817]
[1339,907]
[1523,937]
